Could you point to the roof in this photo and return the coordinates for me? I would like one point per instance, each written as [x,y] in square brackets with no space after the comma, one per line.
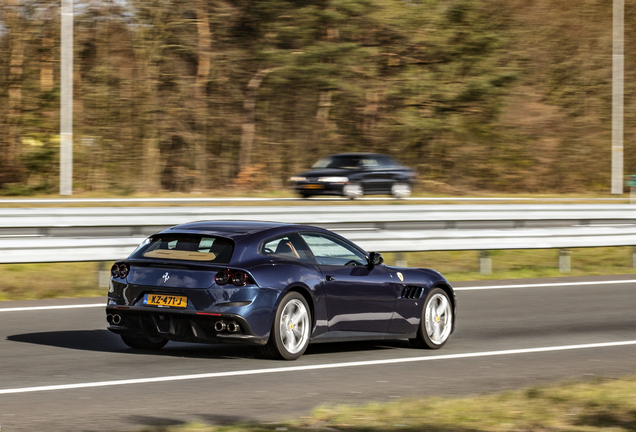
[230,229]
[356,154]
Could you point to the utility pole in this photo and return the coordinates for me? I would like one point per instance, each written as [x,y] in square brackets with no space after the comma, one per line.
[618,66]
[66,110]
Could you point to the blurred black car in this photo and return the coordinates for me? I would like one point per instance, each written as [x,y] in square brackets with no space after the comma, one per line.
[355,174]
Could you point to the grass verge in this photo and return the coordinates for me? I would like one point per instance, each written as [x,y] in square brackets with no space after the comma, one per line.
[59,280]
[599,405]
[51,280]
[284,195]
[521,264]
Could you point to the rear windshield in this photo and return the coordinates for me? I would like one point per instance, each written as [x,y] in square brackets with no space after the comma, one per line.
[186,247]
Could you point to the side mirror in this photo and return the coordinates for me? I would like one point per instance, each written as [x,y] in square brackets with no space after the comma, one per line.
[375,258]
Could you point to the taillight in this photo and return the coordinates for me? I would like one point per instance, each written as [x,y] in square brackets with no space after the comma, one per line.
[236,277]
[222,277]
[123,270]
[240,278]
[119,270]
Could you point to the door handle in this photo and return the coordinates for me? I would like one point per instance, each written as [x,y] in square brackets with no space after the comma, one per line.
[330,278]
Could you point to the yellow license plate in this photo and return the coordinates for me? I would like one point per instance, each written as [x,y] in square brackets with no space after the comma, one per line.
[312,186]
[162,300]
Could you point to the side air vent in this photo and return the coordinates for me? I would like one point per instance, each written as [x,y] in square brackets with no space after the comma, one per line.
[412,292]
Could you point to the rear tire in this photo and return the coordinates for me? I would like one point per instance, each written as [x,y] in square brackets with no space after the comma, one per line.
[401,190]
[145,343]
[436,324]
[291,329]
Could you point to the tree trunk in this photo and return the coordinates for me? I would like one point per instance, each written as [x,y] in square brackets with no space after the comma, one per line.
[46,64]
[249,122]
[204,48]
[12,170]
[201,106]
[370,112]
[147,49]
[324,132]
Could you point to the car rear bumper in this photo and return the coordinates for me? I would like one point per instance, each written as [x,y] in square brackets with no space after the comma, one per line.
[181,325]
[319,188]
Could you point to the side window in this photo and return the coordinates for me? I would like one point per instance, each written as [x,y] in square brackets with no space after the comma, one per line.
[387,163]
[288,246]
[332,251]
[370,162]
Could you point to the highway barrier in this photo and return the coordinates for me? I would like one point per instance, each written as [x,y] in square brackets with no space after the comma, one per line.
[105,234]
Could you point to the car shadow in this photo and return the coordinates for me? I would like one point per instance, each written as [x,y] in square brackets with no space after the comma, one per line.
[341,347]
[105,341]
[86,340]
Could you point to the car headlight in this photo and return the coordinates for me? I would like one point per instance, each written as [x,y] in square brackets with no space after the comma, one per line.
[333,179]
[297,179]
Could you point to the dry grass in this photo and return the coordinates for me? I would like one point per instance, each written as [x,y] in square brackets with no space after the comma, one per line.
[596,406]
[59,280]
[521,264]
[433,195]
[50,280]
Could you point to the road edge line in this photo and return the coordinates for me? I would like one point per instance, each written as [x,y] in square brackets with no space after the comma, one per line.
[311,367]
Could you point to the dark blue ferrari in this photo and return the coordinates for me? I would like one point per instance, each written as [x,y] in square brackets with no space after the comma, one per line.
[277,286]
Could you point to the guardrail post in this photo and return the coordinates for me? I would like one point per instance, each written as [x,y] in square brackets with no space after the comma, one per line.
[485,262]
[565,261]
[634,256]
[103,275]
[400,260]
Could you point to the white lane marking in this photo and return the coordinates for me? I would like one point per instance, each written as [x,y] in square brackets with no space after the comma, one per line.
[475,288]
[37,308]
[311,367]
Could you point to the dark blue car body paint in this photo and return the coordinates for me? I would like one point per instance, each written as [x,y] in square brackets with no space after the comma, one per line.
[347,303]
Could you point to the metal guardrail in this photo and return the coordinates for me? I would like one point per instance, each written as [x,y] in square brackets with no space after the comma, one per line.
[47,249]
[104,234]
[439,240]
[125,221]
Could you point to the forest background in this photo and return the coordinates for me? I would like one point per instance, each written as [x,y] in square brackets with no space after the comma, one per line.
[196,95]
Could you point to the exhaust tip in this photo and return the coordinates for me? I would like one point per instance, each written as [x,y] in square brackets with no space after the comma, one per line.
[233,327]
[116,319]
[109,318]
[219,326]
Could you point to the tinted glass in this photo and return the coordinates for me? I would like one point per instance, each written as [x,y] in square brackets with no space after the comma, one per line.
[387,162]
[370,162]
[186,248]
[331,251]
[342,162]
[288,246]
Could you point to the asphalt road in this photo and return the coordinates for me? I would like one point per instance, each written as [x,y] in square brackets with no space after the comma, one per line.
[499,344]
